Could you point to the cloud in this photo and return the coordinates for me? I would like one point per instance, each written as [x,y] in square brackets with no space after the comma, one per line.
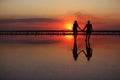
[100,22]
[29,20]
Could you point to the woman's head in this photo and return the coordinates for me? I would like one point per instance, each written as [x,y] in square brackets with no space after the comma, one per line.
[75,22]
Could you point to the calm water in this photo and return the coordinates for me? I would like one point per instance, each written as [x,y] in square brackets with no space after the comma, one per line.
[51,58]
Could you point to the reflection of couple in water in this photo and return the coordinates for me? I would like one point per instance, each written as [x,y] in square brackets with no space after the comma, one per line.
[88,29]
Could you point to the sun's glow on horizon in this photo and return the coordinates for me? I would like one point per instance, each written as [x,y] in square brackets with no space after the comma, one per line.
[68,26]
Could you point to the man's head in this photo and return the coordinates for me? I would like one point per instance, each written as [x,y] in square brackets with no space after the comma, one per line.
[88,22]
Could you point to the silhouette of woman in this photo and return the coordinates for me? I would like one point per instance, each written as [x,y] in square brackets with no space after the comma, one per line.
[89,29]
[75,50]
[75,54]
[75,26]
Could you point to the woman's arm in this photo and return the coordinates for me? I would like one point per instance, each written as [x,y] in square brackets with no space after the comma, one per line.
[91,28]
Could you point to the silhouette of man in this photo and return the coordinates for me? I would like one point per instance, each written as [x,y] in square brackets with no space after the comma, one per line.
[89,50]
[89,29]
[88,53]
[75,26]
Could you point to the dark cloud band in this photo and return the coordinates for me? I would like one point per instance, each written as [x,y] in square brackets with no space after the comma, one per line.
[29,20]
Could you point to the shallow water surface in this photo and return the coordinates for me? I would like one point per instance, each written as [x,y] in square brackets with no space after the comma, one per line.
[51,58]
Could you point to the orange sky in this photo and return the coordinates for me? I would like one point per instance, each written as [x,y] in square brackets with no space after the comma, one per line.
[61,23]
[58,14]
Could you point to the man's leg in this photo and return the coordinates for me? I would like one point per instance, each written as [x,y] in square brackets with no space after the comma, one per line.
[86,37]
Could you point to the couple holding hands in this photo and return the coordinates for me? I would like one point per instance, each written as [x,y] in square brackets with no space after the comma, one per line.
[88,28]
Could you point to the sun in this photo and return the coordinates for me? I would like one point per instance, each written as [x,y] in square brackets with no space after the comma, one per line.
[69,26]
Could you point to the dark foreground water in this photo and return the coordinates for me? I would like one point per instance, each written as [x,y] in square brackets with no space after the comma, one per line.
[51,58]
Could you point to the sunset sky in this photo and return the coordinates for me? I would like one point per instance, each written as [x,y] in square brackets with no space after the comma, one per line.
[58,14]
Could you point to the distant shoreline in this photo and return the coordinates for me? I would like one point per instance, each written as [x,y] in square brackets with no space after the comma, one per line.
[57,32]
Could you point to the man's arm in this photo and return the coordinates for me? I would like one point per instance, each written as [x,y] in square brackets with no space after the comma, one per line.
[84,28]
